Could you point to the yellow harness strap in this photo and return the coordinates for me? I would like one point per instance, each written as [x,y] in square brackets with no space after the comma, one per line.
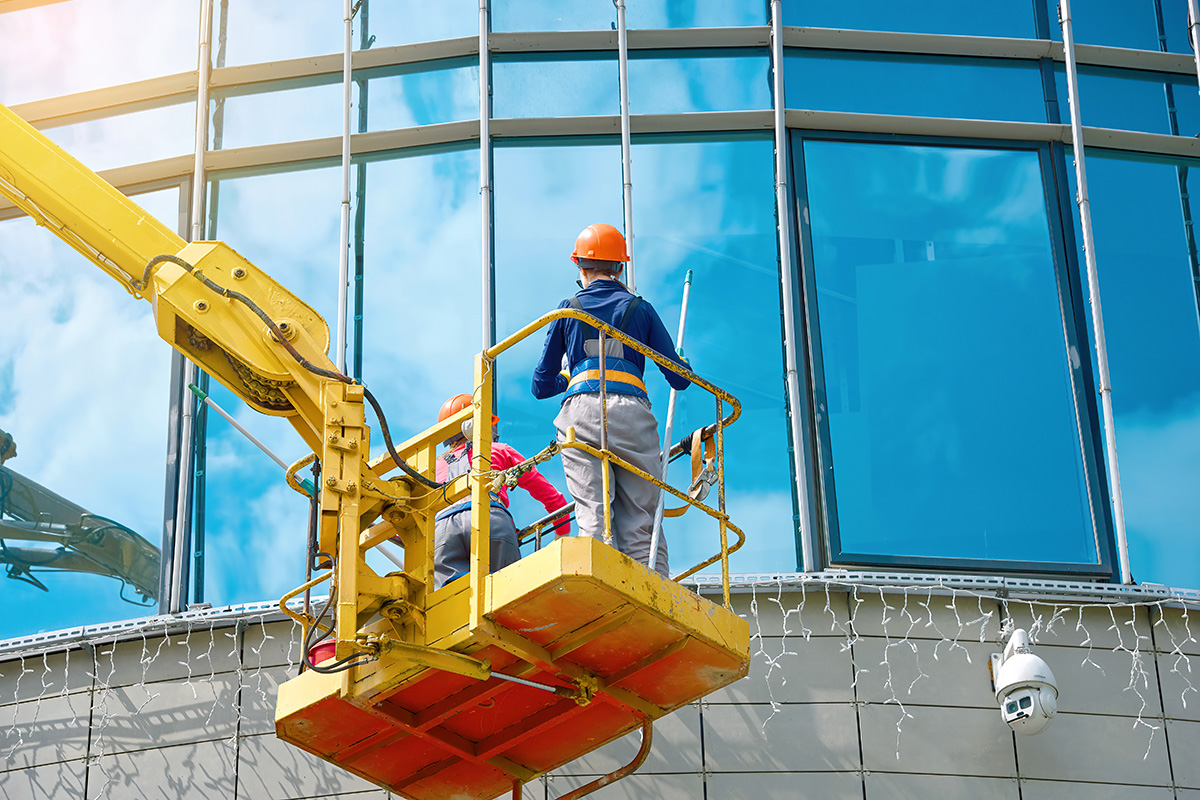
[702,462]
[611,375]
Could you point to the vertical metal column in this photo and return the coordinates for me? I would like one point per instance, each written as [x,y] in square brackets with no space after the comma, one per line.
[339,349]
[808,540]
[177,599]
[485,174]
[1089,251]
[626,159]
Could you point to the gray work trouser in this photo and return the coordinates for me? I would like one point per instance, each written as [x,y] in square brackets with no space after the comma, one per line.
[632,436]
[452,544]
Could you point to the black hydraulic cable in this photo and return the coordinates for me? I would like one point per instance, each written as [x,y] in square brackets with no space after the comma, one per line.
[301,360]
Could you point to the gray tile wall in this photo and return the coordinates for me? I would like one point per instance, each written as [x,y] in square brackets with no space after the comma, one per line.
[852,693]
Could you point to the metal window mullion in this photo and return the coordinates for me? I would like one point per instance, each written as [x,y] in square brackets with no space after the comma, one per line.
[485,174]
[181,552]
[344,223]
[1089,251]
[808,543]
[626,158]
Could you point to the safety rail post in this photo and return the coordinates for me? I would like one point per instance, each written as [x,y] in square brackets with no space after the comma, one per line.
[605,480]
[724,518]
[481,499]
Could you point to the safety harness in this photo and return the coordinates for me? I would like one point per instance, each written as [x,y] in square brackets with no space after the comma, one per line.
[457,465]
[621,376]
[704,471]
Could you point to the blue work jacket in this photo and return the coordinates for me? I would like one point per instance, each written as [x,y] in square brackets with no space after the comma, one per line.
[606,300]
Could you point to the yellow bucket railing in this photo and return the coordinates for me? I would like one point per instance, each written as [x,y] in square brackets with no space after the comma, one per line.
[483,479]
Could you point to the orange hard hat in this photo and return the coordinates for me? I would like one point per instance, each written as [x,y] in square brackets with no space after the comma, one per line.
[601,242]
[456,404]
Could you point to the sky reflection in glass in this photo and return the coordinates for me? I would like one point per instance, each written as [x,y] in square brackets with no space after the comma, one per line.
[288,115]
[66,47]
[694,13]
[970,88]
[1153,339]
[952,426]
[423,94]
[552,15]
[676,82]
[84,393]
[555,85]
[287,224]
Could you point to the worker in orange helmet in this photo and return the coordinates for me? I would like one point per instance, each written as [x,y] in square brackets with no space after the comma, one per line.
[452,527]
[600,254]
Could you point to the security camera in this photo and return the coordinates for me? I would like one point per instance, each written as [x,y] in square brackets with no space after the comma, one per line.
[1025,686]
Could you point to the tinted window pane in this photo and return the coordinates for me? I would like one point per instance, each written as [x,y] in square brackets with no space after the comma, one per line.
[1126,23]
[273,30]
[1153,339]
[544,197]
[61,48]
[406,21]
[967,88]
[424,94]
[555,85]
[84,393]
[130,138]
[683,82]
[953,430]
[422,315]
[286,115]
[1004,18]
[551,15]
[709,207]
[694,13]
[287,224]
[1137,101]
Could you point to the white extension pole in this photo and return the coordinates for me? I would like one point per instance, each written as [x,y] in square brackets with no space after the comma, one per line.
[1089,252]
[626,158]
[344,237]
[808,540]
[660,509]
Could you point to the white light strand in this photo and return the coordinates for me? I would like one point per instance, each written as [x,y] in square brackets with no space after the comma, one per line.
[1046,616]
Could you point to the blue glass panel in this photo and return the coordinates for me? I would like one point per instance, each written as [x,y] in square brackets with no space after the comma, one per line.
[1129,100]
[1012,18]
[543,197]
[287,224]
[130,138]
[551,15]
[62,48]
[423,285]
[678,82]
[257,31]
[286,115]
[970,88]
[695,13]
[709,207]
[84,393]
[423,94]
[1153,341]
[1127,23]
[555,85]
[393,22]
[952,429]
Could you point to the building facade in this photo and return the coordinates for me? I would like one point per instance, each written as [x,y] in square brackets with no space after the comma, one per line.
[970,380]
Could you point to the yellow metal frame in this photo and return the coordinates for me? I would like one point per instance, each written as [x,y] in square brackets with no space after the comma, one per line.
[270,348]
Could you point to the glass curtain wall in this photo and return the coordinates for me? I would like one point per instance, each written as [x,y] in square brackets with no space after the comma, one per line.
[702,202]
